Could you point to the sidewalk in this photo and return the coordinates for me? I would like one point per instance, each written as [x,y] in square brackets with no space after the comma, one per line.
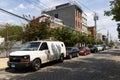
[3,63]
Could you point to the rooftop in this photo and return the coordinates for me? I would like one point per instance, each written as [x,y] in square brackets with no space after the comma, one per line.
[62,6]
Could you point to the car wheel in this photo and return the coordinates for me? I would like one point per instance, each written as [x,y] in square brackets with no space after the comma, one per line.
[36,64]
[61,58]
[77,54]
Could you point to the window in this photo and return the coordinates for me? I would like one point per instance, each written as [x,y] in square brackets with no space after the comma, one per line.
[76,23]
[30,46]
[44,46]
[56,15]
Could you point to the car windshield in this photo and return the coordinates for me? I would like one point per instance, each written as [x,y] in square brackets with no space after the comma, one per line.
[30,46]
[92,46]
[68,49]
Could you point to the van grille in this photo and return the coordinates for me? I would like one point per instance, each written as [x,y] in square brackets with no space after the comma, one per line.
[15,58]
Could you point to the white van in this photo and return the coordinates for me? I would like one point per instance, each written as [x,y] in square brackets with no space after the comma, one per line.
[35,53]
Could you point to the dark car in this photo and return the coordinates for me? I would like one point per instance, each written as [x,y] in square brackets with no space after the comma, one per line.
[84,50]
[72,52]
[93,49]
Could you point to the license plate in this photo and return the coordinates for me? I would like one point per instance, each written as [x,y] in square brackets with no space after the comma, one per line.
[12,65]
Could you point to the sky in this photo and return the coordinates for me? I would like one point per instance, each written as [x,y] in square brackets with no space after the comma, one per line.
[105,24]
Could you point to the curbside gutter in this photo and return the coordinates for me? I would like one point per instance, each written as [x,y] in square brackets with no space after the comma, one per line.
[3,63]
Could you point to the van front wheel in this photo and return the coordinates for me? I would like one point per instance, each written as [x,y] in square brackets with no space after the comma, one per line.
[61,58]
[36,64]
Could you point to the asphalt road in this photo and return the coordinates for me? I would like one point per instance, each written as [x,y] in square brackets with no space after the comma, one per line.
[100,66]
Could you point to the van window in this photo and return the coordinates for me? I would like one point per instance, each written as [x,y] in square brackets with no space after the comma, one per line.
[44,46]
[62,45]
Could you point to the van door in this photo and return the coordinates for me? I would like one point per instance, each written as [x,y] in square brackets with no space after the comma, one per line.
[56,49]
[45,52]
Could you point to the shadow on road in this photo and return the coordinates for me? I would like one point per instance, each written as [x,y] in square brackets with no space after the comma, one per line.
[76,69]
[29,69]
[112,52]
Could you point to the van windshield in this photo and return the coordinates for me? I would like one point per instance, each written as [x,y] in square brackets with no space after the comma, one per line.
[30,46]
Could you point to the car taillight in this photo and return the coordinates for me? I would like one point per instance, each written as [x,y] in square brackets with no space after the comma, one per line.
[81,51]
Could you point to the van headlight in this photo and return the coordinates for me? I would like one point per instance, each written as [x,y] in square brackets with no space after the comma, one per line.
[25,58]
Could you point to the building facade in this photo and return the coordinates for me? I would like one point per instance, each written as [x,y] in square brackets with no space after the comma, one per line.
[54,22]
[99,36]
[84,24]
[1,40]
[92,31]
[69,13]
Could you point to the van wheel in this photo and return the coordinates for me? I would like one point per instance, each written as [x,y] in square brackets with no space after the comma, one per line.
[61,58]
[70,56]
[36,64]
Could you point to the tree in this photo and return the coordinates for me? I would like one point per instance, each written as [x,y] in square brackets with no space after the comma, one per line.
[111,44]
[36,30]
[71,37]
[67,35]
[11,32]
[115,12]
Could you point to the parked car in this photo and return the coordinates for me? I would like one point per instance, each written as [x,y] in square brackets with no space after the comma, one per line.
[34,53]
[99,47]
[84,50]
[117,47]
[93,49]
[72,52]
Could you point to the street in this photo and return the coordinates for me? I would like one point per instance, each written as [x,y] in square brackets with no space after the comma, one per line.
[95,66]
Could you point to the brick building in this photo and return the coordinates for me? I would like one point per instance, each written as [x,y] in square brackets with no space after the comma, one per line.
[69,13]
[92,31]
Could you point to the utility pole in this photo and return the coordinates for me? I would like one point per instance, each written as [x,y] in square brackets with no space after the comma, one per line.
[107,37]
[95,20]
[3,10]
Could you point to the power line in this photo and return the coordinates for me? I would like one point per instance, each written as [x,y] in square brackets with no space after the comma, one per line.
[85,6]
[35,4]
[32,4]
[43,4]
[77,1]
[14,14]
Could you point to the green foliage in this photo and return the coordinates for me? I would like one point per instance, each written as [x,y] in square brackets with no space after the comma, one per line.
[35,31]
[115,12]
[71,37]
[111,44]
[11,32]
[65,34]
[118,29]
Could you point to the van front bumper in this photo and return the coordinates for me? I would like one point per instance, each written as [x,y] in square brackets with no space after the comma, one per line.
[19,65]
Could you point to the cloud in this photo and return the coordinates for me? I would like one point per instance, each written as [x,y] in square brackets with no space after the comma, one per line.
[21,6]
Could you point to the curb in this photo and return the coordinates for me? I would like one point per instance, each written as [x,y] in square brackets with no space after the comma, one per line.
[2,69]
